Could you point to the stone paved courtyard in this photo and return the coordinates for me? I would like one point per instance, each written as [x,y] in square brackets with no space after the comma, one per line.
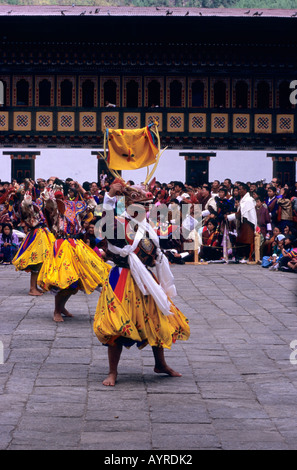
[239,383]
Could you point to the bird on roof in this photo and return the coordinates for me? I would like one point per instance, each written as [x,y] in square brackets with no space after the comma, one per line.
[187,13]
[168,12]
[247,12]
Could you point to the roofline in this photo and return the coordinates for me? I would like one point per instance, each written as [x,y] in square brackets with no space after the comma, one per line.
[88,10]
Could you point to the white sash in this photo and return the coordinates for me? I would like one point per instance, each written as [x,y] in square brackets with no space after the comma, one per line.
[141,275]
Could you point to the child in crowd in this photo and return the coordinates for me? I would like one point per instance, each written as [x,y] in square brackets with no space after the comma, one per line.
[277,246]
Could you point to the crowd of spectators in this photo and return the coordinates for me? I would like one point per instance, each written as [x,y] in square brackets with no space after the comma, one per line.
[216,240]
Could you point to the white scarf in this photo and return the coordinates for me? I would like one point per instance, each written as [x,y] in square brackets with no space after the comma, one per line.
[142,277]
[248,210]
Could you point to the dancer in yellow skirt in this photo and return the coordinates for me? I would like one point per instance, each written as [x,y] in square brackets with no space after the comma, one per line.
[135,307]
[71,264]
[37,244]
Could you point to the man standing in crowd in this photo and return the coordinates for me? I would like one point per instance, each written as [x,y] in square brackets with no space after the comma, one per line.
[247,222]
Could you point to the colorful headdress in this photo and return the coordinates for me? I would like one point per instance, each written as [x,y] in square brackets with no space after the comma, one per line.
[134,194]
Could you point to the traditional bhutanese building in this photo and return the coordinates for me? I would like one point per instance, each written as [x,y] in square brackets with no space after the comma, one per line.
[213,79]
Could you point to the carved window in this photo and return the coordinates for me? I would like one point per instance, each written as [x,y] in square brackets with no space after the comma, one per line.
[154,89]
[22,92]
[110,92]
[44,93]
[263,95]
[198,94]
[88,89]
[66,93]
[175,93]
[241,94]
[132,94]
[219,93]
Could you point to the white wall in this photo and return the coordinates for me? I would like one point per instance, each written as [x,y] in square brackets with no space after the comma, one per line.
[241,166]
[81,165]
[78,164]
[5,167]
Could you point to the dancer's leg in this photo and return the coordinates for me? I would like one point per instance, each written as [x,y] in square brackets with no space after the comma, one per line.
[33,284]
[114,354]
[60,301]
[161,366]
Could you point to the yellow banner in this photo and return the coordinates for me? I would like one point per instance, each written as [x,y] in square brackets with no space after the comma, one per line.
[131,149]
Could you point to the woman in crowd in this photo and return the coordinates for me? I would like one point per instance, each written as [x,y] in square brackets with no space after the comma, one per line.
[9,244]
[210,248]
[271,203]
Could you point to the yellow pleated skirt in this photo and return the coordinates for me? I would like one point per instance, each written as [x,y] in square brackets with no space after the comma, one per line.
[72,264]
[34,250]
[127,316]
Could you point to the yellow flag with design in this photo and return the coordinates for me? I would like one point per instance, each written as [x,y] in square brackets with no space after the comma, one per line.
[129,149]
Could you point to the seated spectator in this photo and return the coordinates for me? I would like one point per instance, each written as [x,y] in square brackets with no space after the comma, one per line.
[288,253]
[210,248]
[270,242]
[288,230]
[292,264]
[9,244]
[271,262]
[179,191]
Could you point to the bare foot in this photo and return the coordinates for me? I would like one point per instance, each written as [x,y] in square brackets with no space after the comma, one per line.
[35,292]
[167,370]
[58,317]
[66,313]
[110,380]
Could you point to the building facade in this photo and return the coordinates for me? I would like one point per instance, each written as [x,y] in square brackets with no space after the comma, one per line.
[212,79]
